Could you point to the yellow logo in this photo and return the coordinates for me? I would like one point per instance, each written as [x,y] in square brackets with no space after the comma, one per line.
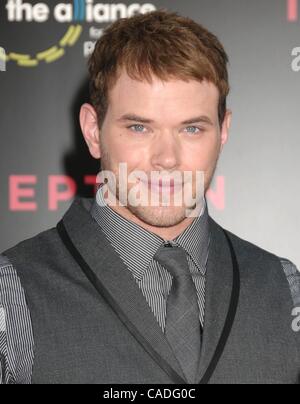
[75,14]
[48,55]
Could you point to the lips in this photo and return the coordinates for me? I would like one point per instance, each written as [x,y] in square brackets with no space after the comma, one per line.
[163,184]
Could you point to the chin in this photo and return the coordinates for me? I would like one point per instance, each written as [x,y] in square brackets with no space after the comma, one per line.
[159,216]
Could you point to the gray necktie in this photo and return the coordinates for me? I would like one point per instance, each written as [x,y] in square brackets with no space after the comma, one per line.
[183,329]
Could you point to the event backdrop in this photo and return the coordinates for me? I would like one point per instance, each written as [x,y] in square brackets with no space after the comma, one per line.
[44,161]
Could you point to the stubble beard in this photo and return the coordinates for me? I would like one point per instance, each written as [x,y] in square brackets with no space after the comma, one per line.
[158,216]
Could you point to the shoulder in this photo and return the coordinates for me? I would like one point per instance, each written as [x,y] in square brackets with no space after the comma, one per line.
[246,249]
[32,247]
[265,265]
[16,337]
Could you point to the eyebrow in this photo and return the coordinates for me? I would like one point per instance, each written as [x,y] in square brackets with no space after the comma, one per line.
[136,118]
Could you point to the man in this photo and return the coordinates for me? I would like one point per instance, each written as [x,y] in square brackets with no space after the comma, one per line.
[132,286]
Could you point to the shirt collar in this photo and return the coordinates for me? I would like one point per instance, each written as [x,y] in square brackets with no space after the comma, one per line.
[137,246]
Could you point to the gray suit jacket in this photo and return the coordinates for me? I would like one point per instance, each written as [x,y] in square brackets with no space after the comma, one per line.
[81,336]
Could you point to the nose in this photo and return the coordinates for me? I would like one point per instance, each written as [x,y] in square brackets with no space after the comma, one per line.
[165,153]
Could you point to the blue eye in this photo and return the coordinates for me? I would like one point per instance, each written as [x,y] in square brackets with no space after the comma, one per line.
[194,130]
[137,128]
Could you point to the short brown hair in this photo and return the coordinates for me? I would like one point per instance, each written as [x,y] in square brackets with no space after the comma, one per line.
[159,43]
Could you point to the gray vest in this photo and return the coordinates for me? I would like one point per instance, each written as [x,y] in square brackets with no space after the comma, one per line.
[83,336]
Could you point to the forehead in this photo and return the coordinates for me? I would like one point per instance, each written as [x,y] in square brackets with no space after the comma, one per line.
[163,97]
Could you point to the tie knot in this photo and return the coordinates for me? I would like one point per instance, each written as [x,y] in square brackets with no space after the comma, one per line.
[174,259]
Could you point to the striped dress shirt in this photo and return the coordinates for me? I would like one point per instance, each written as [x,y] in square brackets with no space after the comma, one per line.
[137,247]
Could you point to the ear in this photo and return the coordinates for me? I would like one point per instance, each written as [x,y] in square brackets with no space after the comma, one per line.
[225,128]
[90,130]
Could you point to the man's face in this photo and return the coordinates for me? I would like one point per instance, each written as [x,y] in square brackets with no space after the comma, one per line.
[151,128]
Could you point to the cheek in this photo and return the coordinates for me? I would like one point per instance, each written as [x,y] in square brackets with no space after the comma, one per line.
[202,156]
[122,152]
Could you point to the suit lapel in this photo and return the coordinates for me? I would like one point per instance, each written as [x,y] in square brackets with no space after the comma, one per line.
[219,278]
[98,253]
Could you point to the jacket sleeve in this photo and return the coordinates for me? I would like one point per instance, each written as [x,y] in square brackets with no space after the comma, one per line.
[5,374]
[16,336]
